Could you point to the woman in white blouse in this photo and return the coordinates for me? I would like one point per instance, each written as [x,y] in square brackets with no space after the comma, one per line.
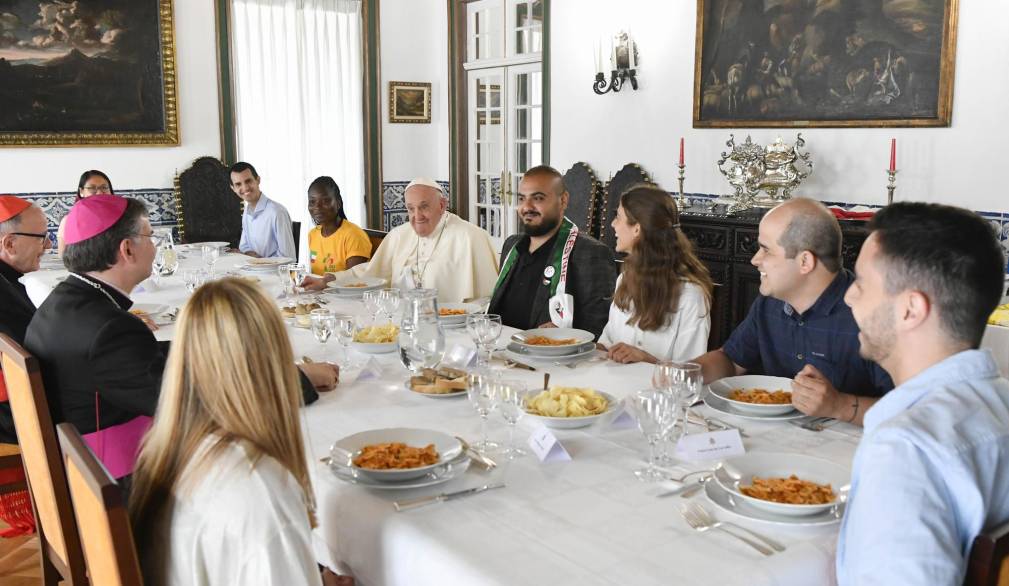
[221,492]
[661,307]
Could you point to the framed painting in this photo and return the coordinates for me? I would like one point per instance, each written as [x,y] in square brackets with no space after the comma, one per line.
[844,63]
[409,102]
[87,72]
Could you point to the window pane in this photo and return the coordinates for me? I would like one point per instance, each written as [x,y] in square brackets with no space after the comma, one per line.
[536,124]
[521,157]
[481,189]
[522,89]
[536,88]
[521,15]
[480,154]
[520,42]
[495,192]
[522,123]
[537,12]
[481,94]
[535,40]
[536,154]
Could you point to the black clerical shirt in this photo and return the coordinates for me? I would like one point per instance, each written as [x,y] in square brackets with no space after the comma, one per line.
[525,280]
[16,310]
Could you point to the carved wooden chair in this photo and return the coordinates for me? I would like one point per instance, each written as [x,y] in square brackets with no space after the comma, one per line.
[630,175]
[207,209]
[100,510]
[62,558]
[988,564]
[584,198]
[376,237]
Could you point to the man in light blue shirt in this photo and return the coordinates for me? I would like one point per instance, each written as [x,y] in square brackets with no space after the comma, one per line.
[932,470]
[266,225]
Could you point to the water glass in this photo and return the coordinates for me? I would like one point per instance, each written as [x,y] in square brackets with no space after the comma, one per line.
[296,272]
[194,278]
[423,346]
[687,381]
[157,265]
[285,280]
[484,329]
[511,399]
[210,255]
[388,302]
[323,323]
[167,248]
[345,327]
[654,411]
[371,303]
[480,388]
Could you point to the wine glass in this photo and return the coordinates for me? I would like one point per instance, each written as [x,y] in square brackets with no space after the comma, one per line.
[345,327]
[484,329]
[653,410]
[193,278]
[285,280]
[167,247]
[686,379]
[663,381]
[210,255]
[480,388]
[388,302]
[511,399]
[296,272]
[157,265]
[371,303]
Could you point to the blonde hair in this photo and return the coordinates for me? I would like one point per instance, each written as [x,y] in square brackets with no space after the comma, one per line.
[230,376]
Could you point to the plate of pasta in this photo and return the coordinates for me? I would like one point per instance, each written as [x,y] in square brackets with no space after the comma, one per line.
[569,407]
[785,484]
[351,285]
[552,341]
[394,454]
[377,339]
[755,394]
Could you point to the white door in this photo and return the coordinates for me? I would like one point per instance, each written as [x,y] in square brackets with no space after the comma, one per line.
[487,151]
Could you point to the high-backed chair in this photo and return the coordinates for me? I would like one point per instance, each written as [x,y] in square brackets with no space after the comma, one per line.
[62,558]
[628,176]
[296,232]
[376,237]
[100,510]
[584,196]
[988,564]
[207,209]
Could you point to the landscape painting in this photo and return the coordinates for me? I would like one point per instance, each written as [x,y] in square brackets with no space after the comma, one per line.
[794,63]
[87,72]
[409,102]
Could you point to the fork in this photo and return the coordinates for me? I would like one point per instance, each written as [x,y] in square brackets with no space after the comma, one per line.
[706,516]
[812,424]
[702,522]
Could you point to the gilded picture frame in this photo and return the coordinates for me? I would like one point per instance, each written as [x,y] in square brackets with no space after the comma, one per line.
[848,63]
[409,102]
[88,73]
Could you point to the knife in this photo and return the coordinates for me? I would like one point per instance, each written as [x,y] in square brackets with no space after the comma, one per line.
[437,498]
[514,364]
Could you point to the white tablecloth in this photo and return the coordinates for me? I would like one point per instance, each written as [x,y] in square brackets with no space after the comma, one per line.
[587,521]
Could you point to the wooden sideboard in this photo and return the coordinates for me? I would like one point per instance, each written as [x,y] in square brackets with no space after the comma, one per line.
[726,244]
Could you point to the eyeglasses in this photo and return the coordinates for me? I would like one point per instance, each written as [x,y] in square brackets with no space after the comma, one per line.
[157,239]
[32,234]
[97,189]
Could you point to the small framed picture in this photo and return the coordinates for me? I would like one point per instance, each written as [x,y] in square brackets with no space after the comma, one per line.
[409,102]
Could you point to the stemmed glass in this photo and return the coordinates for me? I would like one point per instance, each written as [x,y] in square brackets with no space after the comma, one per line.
[323,324]
[663,381]
[296,273]
[210,255]
[485,329]
[685,379]
[283,273]
[167,248]
[480,388]
[193,278]
[511,398]
[653,410]
[157,265]
[345,327]
[371,303]
[388,302]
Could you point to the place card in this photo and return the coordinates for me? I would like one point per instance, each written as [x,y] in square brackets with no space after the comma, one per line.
[370,370]
[713,445]
[623,419]
[547,447]
[459,357]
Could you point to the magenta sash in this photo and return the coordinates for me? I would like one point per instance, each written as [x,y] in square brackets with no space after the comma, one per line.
[118,446]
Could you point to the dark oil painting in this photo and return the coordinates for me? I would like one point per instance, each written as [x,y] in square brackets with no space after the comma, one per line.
[86,72]
[824,62]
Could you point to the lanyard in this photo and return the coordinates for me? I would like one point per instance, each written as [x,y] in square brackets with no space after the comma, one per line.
[559,257]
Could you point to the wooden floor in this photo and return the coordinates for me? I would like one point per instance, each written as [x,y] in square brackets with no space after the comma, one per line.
[19,560]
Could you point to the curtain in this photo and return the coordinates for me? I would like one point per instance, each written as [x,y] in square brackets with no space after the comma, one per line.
[298,86]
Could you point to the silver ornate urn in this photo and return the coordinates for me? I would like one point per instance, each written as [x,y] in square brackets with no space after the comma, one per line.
[751,169]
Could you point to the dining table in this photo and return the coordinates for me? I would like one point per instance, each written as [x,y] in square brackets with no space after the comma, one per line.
[584,520]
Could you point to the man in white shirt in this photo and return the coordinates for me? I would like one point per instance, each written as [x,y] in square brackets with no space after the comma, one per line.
[266,225]
[436,250]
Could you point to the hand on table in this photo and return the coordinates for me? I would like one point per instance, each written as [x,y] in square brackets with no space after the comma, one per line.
[627,354]
[323,375]
[549,324]
[814,395]
[315,283]
[252,254]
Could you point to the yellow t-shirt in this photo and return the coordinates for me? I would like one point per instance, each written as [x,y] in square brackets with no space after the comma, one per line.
[330,254]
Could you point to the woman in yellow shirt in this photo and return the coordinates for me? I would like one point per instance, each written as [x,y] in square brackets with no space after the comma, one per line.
[335,244]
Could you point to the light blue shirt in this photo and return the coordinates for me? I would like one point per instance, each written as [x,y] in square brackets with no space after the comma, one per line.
[931,472]
[267,230]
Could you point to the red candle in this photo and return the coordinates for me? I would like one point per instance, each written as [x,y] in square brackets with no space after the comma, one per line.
[681,151]
[893,155]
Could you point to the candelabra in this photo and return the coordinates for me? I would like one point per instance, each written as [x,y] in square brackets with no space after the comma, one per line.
[617,79]
[892,174]
[682,202]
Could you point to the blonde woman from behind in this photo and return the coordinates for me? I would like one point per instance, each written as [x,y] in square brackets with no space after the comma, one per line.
[221,492]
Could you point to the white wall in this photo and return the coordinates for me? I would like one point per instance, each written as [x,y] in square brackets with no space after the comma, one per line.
[414,37]
[958,165]
[34,170]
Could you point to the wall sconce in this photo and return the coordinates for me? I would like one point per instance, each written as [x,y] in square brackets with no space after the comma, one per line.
[623,65]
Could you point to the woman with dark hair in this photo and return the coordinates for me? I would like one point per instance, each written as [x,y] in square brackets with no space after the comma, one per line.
[661,307]
[92,182]
[335,244]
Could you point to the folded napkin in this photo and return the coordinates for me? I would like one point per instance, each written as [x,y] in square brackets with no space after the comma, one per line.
[855,213]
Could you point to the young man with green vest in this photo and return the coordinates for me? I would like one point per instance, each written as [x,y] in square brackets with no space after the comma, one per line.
[552,274]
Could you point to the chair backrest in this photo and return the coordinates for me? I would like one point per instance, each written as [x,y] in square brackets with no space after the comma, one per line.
[100,510]
[376,237]
[629,175]
[583,193]
[47,480]
[206,207]
[296,230]
[988,564]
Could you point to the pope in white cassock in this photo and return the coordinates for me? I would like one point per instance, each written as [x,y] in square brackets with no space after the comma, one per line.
[436,250]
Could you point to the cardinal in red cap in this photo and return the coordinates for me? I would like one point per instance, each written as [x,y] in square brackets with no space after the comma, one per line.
[24,239]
